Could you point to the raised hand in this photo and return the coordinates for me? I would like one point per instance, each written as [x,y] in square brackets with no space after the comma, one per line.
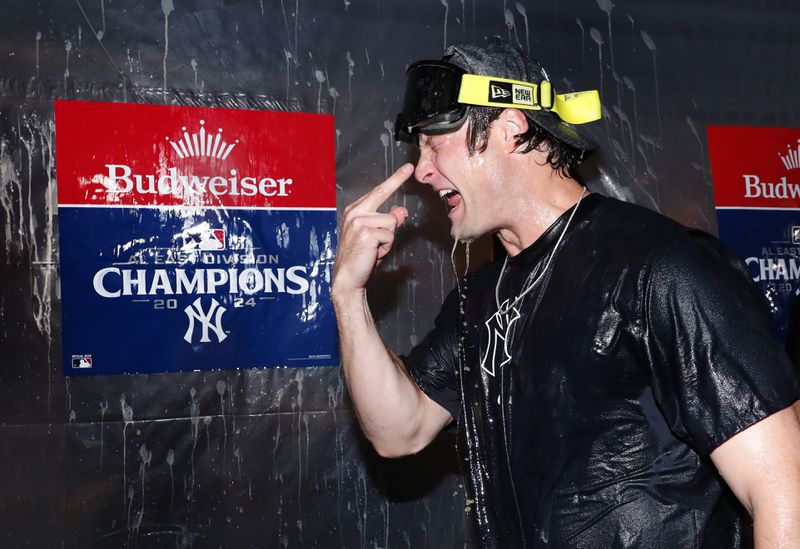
[366,236]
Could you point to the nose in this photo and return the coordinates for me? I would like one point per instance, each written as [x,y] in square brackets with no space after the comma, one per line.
[425,171]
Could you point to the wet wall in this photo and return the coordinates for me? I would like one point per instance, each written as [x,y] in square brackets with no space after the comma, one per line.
[273,458]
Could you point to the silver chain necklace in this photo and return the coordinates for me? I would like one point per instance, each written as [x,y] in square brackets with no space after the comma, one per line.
[531,282]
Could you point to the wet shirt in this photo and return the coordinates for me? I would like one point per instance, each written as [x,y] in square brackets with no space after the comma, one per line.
[588,411]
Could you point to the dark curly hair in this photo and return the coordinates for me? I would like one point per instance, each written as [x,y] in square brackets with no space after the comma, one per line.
[562,158]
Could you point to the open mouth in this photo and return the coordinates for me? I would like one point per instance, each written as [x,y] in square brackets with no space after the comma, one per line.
[451,198]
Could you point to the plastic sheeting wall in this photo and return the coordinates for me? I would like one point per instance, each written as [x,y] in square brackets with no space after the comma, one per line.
[272,458]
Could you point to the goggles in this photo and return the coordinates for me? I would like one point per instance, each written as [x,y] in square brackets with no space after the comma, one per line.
[438,96]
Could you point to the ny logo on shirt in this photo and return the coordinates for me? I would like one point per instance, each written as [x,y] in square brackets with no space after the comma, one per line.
[498,329]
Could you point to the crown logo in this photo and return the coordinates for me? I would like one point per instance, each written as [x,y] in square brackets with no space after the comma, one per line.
[791,160]
[202,144]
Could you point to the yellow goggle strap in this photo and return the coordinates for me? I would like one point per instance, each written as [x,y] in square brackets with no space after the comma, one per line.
[488,91]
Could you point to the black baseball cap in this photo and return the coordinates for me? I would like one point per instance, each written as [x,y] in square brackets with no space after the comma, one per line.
[434,100]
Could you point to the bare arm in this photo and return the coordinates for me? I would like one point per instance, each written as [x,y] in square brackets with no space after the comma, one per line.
[397,417]
[762,466]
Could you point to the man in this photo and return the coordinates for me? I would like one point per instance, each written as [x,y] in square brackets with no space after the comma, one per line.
[607,374]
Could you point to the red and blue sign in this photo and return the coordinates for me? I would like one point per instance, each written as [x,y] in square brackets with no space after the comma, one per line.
[194,238]
[756,173]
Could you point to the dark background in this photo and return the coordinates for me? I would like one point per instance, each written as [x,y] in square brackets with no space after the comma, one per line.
[273,458]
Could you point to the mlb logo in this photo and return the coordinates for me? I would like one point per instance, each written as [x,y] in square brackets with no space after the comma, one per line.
[81,361]
[203,238]
[219,236]
[795,235]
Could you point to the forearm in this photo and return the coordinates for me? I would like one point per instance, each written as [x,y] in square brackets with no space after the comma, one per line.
[776,524]
[775,501]
[762,466]
[393,412]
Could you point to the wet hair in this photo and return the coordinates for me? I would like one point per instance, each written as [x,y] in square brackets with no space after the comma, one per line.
[562,158]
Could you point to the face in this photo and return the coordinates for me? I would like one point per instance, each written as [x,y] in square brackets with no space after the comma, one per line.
[466,184]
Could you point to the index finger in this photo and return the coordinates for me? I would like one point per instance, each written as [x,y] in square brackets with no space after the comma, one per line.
[381,193]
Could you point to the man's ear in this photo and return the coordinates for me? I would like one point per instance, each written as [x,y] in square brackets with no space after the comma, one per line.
[512,124]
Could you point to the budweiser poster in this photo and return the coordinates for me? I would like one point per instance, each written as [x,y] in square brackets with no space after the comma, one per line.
[194,238]
[756,174]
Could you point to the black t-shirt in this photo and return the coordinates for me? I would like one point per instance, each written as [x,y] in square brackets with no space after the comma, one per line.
[589,410]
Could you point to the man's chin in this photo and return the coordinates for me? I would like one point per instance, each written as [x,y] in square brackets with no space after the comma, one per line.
[461,235]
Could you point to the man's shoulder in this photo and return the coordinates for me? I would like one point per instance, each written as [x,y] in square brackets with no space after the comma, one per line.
[629,218]
[650,238]
[643,227]
[630,232]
